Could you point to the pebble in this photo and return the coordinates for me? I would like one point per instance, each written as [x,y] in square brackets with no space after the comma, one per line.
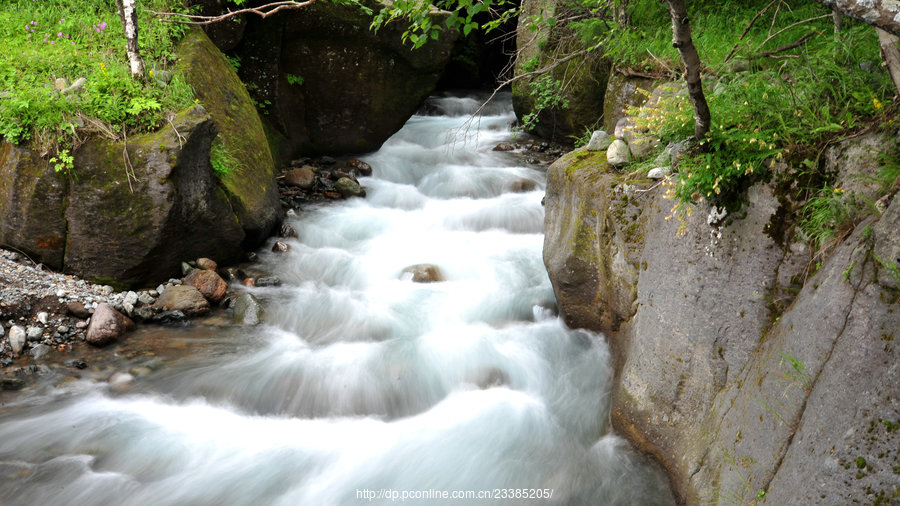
[42,317]
[34,333]
[81,325]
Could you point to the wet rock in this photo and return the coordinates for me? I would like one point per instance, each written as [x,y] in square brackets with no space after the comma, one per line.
[170,317]
[40,351]
[600,141]
[287,231]
[107,325]
[490,377]
[503,147]
[247,310]
[522,186]
[360,167]
[76,363]
[143,313]
[210,284]
[349,188]
[280,247]
[206,263]
[10,382]
[267,281]
[78,310]
[184,298]
[422,273]
[233,274]
[304,177]
[140,371]
[146,298]
[17,339]
[186,268]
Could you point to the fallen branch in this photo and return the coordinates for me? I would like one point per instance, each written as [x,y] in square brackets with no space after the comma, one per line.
[262,11]
[779,32]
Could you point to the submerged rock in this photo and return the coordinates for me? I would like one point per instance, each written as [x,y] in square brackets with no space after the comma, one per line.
[247,309]
[423,273]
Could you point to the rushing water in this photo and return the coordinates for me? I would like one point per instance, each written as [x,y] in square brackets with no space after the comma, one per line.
[361,386]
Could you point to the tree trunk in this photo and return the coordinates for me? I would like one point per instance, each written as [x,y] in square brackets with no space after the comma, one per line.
[884,14]
[890,50]
[681,40]
[128,15]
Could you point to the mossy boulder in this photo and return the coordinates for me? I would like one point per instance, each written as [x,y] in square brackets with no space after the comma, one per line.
[329,84]
[134,220]
[584,78]
[250,185]
[623,92]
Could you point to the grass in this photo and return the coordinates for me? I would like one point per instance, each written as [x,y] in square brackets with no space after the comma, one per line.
[55,41]
[786,106]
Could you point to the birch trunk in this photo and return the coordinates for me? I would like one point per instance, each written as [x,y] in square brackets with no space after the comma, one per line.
[890,50]
[681,40]
[128,15]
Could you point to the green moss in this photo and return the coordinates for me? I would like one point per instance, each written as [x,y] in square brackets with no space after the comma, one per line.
[225,97]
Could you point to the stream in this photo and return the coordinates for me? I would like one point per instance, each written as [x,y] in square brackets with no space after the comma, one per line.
[361,386]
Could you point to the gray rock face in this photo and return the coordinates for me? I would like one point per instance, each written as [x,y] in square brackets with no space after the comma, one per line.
[107,325]
[247,309]
[184,298]
[358,87]
[736,375]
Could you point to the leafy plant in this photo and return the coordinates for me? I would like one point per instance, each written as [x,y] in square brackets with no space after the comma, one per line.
[63,162]
[221,159]
[547,94]
[294,80]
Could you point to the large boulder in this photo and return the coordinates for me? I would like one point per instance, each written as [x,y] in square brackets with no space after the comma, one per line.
[136,229]
[329,84]
[250,185]
[133,226]
[741,372]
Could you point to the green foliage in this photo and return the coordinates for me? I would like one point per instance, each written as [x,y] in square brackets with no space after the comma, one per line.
[222,161]
[292,79]
[829,215]
[63,162]
[419,17]
[59,41]
[546,92]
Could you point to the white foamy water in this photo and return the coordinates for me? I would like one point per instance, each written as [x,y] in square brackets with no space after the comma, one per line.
[362,385]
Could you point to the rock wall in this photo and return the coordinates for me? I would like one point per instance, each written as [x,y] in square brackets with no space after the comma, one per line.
[328,84]
[584,77]
[745,373]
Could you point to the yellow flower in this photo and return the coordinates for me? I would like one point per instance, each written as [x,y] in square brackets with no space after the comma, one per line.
[877,104]
[838,191]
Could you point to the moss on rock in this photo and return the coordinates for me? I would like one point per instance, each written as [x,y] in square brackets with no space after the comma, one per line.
[251,184]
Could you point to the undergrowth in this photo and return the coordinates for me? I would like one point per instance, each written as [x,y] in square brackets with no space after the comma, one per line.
[50,44]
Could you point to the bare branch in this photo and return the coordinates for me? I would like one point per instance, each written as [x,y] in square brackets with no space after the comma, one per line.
[799,42]
[262,11]
[779,32]
[749,25]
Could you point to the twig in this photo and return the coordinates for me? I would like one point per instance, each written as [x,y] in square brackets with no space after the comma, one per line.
[799,42]
[747,30]
[770,37]
[662,63]
[127,159]
[263,11]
